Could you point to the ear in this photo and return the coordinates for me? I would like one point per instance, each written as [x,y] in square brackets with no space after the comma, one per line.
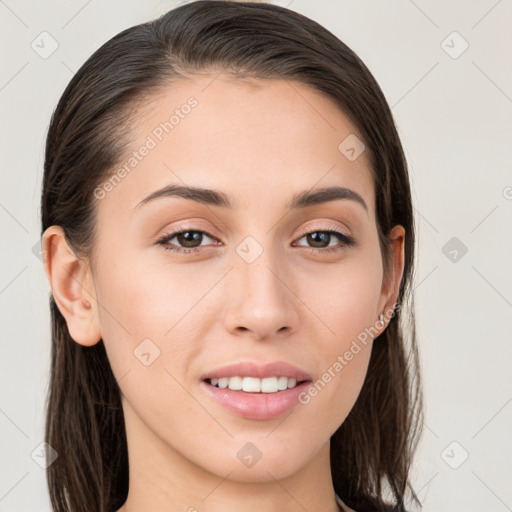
[72,287]
[391,282]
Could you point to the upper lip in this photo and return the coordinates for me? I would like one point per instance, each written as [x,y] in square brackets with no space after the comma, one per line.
[252,369]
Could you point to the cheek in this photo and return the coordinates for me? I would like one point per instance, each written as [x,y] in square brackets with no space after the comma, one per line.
[148,335]
[147,307]
[144,297]
[344,296]
[345,300]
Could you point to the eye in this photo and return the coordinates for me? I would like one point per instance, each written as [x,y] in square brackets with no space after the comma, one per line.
[320,237]
[189,237]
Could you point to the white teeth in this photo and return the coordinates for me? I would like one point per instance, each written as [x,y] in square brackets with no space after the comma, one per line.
[235,383]
[282,383]
[251,384]
[254,384]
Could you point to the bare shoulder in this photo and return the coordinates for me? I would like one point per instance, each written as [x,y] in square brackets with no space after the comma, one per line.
[344,507]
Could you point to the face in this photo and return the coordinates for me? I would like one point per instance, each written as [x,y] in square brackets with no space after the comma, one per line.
[183,287]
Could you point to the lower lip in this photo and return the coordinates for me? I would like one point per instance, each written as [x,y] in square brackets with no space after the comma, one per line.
[257,406]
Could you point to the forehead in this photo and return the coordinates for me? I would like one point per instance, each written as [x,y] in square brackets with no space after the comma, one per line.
[245,137]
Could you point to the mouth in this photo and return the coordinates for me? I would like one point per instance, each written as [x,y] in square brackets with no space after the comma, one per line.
[255,385]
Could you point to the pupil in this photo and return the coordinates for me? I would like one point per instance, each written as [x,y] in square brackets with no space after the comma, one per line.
[318,237]
[182,237]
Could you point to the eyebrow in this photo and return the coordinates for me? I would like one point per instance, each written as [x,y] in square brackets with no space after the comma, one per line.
[212,197]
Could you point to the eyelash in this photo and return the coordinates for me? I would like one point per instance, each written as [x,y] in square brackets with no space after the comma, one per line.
[347,241]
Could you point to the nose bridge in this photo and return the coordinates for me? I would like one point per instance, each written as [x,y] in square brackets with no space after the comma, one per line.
[258,269]
[259,276]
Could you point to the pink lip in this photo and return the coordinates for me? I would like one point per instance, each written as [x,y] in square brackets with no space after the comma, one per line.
[250,369]
[257,406]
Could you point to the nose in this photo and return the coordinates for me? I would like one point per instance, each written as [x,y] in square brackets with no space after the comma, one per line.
[261,302]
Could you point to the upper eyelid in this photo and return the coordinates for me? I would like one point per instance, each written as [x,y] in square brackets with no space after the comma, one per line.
[319,227]
[207,232]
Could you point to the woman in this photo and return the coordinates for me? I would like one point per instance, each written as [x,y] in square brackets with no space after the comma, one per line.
[229,239]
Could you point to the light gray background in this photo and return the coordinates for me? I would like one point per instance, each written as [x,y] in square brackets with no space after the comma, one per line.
[455,119]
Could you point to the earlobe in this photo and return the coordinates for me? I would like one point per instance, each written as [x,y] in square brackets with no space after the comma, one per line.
[72,287]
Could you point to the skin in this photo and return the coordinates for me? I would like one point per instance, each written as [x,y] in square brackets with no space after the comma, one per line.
[260,143]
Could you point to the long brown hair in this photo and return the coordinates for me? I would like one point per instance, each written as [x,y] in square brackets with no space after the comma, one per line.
[371,452]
